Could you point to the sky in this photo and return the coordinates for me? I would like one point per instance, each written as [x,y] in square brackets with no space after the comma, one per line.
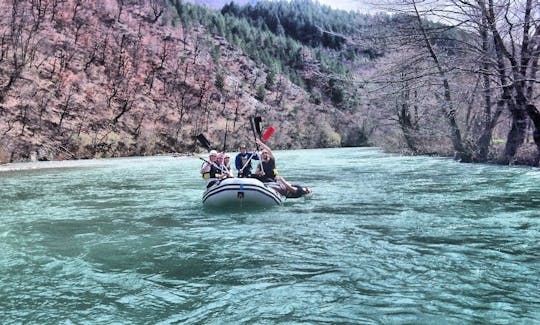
[363,6]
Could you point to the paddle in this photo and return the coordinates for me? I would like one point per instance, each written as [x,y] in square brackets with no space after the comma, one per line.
[225,137]
[211,163]
[256,127]
[267,134]
[204,141]
[258,121]
[253,127]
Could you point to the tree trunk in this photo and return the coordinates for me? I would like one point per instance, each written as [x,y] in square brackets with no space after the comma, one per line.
[519,64]
[487,127]
[516,136]
[405,119]
[534,115]
[448,107]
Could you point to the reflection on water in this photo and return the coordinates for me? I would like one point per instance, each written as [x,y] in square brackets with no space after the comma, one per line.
[384,239]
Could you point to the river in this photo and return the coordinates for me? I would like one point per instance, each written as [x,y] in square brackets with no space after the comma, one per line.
[385,239]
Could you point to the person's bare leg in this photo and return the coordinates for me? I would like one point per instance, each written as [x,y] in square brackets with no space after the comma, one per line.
[287,185]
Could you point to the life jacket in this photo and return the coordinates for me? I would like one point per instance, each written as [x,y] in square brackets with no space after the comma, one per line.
[270,170]
[214,171]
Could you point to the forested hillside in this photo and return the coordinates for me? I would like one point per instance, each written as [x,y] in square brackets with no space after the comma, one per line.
[108,78]
[115,78]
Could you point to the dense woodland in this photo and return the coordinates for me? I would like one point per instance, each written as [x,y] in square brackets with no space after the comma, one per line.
[84,79]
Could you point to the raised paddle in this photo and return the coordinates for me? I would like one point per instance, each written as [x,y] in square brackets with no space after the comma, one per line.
[268,133]
[258,121]
[253,128]
[204,141]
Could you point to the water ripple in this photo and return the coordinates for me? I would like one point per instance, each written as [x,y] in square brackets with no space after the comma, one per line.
[409,240]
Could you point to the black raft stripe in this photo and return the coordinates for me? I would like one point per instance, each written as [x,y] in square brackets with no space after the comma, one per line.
[240,187]
[236,187]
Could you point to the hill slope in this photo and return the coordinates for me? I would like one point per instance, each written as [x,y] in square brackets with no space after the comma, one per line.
[96,79]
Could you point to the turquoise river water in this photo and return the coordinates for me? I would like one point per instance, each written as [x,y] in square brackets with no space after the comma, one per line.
[385,239]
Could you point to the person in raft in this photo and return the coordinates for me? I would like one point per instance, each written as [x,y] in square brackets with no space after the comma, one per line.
[266,170]
[242,161]
[210,170]
[292,191]
[223,162]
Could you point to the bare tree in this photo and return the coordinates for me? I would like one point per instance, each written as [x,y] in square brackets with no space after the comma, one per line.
[499,48]
[66,107]
[157,6]
[18,44]
[448,107]
[121,4]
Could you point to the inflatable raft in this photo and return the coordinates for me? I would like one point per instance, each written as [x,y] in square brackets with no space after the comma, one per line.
[239,192]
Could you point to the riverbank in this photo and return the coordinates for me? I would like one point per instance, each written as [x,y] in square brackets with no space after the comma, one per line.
[526,156]
[60,164]
[40,165]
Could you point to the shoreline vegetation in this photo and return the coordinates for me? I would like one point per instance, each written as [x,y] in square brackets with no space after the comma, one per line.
[523,160]
[43,165]
[72,163]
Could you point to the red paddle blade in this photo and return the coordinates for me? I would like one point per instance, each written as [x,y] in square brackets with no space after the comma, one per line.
[268,133]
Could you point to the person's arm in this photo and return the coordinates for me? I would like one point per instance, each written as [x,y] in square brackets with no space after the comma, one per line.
[265,147]
[238,162]
[287,185]
[205,168]
[255,155]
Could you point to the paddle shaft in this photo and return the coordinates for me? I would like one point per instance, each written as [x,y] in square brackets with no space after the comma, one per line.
[252,122]
[214,164]
[248,161]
